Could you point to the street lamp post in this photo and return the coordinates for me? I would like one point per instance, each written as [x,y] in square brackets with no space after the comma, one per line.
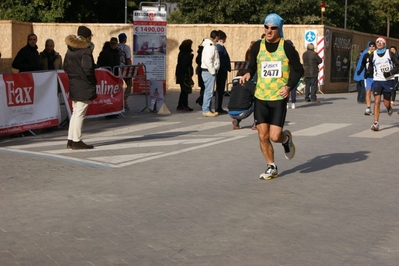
[323,9]
[346,8]
[125,11]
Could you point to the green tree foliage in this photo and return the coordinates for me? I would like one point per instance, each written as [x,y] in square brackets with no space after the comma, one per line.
[33,11]
[373,16]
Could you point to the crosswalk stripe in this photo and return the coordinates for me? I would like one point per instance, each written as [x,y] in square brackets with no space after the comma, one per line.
[197,127]
[132,128]
[129,145]
[178,151]
[59,157]
[123,158]
[319,129]
[368,133]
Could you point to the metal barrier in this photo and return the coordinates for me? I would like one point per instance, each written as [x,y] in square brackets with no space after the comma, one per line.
[138,72]
[236,66]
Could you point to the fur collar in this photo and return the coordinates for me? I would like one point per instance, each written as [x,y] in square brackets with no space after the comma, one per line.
[76,42]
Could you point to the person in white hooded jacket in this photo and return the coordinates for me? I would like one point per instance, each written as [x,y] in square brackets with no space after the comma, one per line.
[210,64]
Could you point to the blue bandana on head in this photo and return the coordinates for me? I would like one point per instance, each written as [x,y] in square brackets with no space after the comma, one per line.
[275,20]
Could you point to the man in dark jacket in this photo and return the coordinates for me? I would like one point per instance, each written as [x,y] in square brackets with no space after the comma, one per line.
[225,66]
[109,56]
[28,58]
[311,61]
[79,65]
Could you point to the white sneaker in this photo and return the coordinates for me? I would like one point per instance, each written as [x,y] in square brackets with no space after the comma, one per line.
[293,106]
[289,147]
[270,173]
[375,126]
[368,111]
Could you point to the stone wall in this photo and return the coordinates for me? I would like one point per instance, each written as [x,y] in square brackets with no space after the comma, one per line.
[239,37]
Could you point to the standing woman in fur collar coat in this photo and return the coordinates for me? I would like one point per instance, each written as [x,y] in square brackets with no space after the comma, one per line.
[79,65]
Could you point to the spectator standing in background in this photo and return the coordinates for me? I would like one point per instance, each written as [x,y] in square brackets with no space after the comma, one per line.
[125,60]
[49,58]
[79,66]
[311,61]
[109,56]
[225,66]
[184,73]
[28,58]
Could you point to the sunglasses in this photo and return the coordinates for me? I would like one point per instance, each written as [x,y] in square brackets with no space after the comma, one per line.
[272,27]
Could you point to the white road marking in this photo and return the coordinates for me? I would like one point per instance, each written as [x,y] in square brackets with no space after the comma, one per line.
[177,152]
[132,144]
[197,127]
[123,158]
[368,133]
[319,129]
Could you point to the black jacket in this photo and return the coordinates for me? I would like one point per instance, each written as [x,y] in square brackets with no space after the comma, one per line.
[109,58]
[27,59]
[311,61]
[241,97]
[79,65]
[184,67]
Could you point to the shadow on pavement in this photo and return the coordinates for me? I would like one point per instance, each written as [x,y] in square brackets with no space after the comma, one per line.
[328,160]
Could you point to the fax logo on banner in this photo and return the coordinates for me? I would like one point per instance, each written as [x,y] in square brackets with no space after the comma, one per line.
[19,91]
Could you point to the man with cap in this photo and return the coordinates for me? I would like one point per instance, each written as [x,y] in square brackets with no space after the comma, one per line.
[278,69]
[361,72]
[125,60]
[79,65]
[109,56]
[383,66]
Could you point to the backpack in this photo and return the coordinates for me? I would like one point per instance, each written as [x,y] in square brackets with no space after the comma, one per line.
[122,54]
[198,59]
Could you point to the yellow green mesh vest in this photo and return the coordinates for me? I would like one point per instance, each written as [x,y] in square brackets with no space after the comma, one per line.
[273,72]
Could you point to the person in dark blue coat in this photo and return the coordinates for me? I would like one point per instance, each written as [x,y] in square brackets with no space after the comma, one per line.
[225,66]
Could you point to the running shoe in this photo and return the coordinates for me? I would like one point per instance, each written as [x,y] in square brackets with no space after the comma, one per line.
[289,147]
[270,173]
[375,126]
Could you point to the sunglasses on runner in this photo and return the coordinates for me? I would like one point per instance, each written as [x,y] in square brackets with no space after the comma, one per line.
[272,27]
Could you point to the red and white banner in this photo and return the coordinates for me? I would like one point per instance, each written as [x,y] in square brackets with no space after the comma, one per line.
[28,101]
[238,65]
[109,94]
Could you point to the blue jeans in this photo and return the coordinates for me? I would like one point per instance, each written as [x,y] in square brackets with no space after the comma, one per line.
[243,114]
[209,81]
[361,92]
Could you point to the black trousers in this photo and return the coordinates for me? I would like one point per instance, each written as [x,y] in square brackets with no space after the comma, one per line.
[221,78]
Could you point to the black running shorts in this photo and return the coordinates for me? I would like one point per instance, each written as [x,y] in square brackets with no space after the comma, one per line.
[270,112]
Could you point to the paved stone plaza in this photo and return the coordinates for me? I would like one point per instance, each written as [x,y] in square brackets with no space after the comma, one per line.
[181,189]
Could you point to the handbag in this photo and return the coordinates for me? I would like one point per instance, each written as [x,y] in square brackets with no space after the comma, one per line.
[188,82]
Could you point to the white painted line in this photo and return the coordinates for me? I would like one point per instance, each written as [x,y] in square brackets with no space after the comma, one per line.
[59,157]
[368,133]
[129,129]
[132,144]
[240,132]
[198,127]
[123,158]
[178,151]
[319,129]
